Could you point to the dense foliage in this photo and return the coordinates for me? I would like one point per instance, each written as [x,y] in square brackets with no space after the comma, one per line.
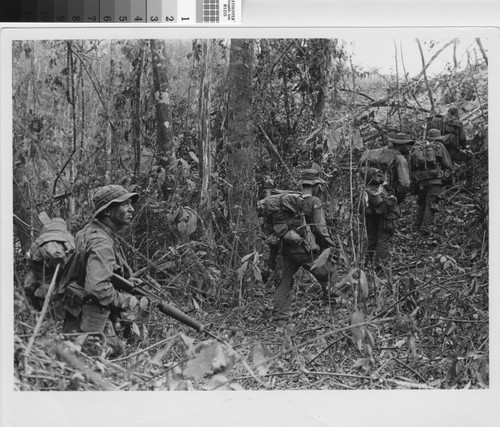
[145,113]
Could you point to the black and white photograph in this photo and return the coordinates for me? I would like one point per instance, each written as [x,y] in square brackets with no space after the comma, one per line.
[250,211]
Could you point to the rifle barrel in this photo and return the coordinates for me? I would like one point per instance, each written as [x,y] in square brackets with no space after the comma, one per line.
[163,306]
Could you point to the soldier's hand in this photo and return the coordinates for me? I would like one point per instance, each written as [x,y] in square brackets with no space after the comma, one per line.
[132,303]
[131,309]
[143,303]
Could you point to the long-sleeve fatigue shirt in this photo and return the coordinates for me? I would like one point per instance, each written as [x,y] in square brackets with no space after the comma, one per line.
[99,255]
[315,217]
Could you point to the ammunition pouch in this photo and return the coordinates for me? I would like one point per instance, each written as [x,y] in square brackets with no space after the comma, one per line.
[377,200]
[73,298]
[392,214]
[94,317]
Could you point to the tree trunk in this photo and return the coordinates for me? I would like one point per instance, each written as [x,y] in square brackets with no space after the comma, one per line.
[240,141]
[162,102]
[321,74]
[205,146]
[136,111]
[164,134]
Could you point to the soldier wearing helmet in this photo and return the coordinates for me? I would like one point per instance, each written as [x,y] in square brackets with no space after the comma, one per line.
[91,300]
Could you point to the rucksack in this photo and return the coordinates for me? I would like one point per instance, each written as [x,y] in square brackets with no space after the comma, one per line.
[281,211]
[376,166]
[54,246]
[284,220]
[424,162]
[446,127]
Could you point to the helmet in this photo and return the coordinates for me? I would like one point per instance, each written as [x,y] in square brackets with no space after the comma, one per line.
[434,135]
[105,196]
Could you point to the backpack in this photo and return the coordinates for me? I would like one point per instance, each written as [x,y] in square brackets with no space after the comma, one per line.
[54,246]
[281,211]
[376,166]
[446,127]
[424,162]
[284,220]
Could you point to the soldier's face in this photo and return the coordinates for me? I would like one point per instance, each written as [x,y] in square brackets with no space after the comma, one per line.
[121,213]
[404,149]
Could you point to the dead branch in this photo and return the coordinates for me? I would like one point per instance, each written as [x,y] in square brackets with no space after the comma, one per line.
[433,57]
[485,57]
[275,151]
[424,67]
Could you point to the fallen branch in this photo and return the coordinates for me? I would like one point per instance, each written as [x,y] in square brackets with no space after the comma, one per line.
[410,369]
[156,344]
[327,334]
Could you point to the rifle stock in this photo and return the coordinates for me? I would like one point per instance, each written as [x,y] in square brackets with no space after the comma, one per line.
[167,309]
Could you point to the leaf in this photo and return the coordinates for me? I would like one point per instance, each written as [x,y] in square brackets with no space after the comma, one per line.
[370,338]
[218,382]
[357,332]
[194,157]
[161,353]
[357,139]
[256,258]
[160,177]
[201,364]
[361,362]
[259,357]
[219,361]
[192,221]
[196,305]
[181,226]
[135,330]
[242,270]
[188,342]
[100,366]
[257,273]
[185,167]
[322,259]
[247,257]
[363,286]
[236,386]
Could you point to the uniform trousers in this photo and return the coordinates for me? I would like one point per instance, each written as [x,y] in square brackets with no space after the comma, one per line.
[295,257]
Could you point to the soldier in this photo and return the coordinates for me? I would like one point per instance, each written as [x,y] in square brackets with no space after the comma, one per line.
[454,138]
[296,255]
[385,174]
[455,141]
[430,162]
[91,299]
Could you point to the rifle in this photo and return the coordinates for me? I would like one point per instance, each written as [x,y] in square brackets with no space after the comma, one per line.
[125,285]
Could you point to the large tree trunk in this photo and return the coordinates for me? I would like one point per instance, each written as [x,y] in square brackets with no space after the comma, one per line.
[136,111]
[205,146]
[240,141]
[321,73]
[164,134]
